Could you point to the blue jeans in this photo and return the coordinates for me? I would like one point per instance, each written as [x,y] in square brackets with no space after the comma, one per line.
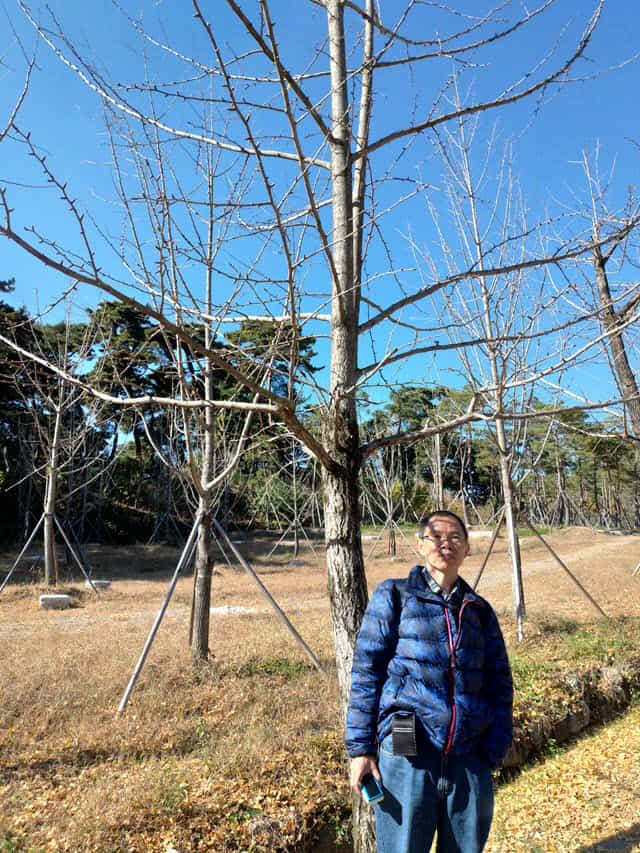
[429,792]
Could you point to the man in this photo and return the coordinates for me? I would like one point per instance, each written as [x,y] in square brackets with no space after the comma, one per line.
[430,710]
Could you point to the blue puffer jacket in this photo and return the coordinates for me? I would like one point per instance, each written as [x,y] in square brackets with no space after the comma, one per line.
[411,656]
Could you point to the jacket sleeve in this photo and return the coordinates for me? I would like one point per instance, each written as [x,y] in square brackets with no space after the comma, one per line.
[499,693]
[375,646]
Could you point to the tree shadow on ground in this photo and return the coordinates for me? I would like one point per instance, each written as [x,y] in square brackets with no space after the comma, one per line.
[623,842]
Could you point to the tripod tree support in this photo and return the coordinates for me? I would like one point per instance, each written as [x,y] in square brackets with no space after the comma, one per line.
[562,565]
[185,558]
[22,553]
[187,552]
[68,544]
[490,548]
[268,595]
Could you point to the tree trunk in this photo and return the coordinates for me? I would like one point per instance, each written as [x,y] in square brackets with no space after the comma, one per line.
[364,826]
[347,589]
[613,327]
[347,584]
[496,363]
[392,538]
[345,564]
[296,515]
[203,568]
[562,502]
[50,557]
[517,594]
[202,587]
[464,461]
[438,490]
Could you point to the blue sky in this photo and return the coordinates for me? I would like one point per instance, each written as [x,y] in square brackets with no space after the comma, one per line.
[65,118]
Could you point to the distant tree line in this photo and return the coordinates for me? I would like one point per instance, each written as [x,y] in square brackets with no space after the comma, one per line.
[120,473]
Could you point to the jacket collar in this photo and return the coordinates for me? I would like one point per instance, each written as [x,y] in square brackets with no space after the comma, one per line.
[417,584]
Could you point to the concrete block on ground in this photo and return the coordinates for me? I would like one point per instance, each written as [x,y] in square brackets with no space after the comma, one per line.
[103,584]
[55,602]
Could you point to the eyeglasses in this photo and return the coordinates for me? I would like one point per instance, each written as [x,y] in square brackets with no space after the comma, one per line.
[455,541]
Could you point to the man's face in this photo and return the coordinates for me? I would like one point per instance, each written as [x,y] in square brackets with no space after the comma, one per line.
[443,545]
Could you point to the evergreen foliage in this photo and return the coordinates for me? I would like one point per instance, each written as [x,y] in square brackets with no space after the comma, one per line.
[571,468]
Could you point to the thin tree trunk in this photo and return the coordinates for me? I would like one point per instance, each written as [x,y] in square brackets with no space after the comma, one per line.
[562,502]
[345,564]
[392,537]
[203,569]
[202,586]
[464,461]
[613,327]
[438,491]
[50,556]
[517,594]
[505,454]
[297,520]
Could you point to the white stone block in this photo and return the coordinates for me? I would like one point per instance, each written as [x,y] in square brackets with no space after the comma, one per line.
[55,602]
[103,584]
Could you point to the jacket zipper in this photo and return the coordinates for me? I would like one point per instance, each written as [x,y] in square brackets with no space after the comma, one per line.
[452,663]
[452,698]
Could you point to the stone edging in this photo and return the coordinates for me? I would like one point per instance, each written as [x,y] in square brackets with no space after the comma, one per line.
[594,695]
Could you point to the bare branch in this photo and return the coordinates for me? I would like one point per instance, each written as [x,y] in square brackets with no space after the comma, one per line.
[503,100]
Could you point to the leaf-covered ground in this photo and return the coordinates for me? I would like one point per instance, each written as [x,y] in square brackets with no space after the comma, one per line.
[581,800]
[246,752]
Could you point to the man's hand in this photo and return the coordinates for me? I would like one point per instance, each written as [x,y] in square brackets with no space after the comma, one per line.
[360,766]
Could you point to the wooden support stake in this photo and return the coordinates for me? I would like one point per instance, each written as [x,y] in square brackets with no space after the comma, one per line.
[490,548]
[21,554]
[268,595]
[560,563]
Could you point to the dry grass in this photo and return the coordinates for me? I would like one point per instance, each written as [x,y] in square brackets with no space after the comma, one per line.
[74,776]
[241,753]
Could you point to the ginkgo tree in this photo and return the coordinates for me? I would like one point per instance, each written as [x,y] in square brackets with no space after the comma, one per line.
[265,165]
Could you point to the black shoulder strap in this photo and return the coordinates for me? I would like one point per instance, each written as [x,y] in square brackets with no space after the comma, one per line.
[400,592]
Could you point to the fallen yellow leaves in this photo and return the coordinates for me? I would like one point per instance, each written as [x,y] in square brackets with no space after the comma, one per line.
[149,805]
[585,798]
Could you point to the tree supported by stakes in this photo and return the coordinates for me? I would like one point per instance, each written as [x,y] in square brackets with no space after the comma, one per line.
[185,559]
[267,163]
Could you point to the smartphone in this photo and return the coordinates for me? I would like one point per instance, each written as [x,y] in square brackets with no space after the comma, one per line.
[371,790]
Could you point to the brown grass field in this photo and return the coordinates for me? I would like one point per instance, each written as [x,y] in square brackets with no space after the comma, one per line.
[245,752]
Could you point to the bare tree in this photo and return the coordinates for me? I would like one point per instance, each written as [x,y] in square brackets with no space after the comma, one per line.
[306,189]
[65,423]
[618,306]
[491,306]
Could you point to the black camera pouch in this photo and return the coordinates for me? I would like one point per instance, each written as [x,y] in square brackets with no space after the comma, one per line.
[403,733]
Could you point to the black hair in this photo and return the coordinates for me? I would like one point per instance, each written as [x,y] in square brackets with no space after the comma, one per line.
[438,513]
